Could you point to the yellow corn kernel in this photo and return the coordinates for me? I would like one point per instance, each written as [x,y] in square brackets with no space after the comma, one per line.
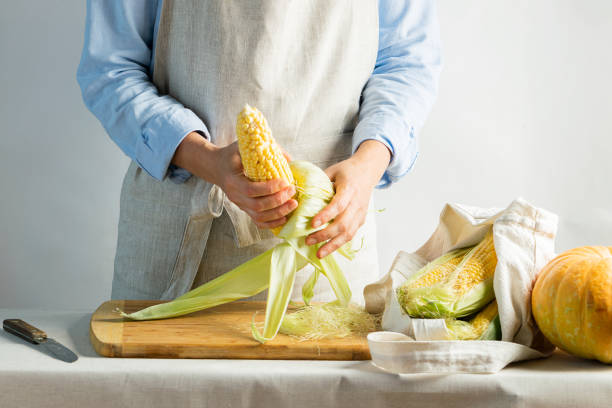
[446,288]
[484,326]
[484,318]
[439,270]
[261,156]
[477,266]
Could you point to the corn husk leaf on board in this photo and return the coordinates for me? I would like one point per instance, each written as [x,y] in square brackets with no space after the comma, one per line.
[275,269]
[329,321]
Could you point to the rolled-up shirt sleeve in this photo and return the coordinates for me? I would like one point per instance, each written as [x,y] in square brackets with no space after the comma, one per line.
[402,89]
[114,76]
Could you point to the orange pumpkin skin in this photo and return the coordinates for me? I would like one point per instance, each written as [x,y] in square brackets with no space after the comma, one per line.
[572,302]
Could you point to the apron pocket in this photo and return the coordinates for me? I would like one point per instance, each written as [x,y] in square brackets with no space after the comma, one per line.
[189,255]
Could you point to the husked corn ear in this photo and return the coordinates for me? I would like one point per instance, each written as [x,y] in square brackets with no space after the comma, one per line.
[484,326]
[261,156]
[477,266]
[437,270]
[453,289]
[484,318]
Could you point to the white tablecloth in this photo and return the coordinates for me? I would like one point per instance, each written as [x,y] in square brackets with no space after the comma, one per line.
[31,379]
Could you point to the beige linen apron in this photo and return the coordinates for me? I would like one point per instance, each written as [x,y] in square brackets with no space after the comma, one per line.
[303,63]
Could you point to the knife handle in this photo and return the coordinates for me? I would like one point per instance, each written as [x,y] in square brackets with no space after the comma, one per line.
[24,330]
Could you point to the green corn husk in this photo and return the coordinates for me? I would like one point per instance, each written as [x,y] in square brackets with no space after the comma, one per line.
[275,269]
[346,251]
[329,321]
[459,330]
[484,326]
[493,331]
[465,289]
[309,285]
[246,280]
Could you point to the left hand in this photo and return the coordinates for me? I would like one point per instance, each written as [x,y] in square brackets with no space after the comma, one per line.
[354,180]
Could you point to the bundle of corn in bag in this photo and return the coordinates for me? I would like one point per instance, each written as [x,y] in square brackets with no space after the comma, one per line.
[471,280]
[456,285]
[276,268]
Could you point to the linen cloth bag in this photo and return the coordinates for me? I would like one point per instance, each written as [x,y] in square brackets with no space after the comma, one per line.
[523,236]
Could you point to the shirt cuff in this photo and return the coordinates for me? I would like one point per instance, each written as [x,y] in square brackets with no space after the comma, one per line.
[179,175]
[160,138]
[398,136]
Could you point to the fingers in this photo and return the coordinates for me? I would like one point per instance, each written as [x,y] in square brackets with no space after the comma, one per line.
[337,234]
[341,225]
[275,200]
[271,224]
[340,231]
[255,189]
[337,205]
[246,186]
[274,213]
[332,170]
[287,156]
[267,210]
[333,244]
[267,204]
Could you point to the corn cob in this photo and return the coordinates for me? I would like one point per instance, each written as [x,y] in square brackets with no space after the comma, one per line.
[437,270]
[262,158]
[484,326]
[465,290]
[479,265]
[486,323]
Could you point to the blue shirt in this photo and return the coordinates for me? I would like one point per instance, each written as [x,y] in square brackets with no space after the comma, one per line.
[115,79]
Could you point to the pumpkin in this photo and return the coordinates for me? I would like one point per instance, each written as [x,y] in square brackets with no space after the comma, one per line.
[572,302]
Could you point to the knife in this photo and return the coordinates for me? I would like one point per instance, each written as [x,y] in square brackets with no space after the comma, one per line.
[39,338]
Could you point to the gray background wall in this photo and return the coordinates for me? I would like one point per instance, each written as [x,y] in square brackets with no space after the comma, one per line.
[524,110]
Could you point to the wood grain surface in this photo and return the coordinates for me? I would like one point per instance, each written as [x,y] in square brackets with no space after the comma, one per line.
[220,332]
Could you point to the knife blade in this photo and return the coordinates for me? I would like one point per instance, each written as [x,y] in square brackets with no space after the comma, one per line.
[39,338]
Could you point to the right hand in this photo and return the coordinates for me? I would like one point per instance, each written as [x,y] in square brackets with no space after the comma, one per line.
[267,202]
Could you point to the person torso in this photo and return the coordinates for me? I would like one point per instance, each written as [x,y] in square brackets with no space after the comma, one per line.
[303,63]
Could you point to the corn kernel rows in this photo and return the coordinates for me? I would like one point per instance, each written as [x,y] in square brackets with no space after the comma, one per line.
[262,158]
[437,274]
[479,265]
[483,319]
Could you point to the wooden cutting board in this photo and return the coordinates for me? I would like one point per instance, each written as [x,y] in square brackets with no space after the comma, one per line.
[220,332]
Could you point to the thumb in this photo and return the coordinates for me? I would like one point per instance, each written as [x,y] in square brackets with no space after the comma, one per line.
[331,171]
[287,155]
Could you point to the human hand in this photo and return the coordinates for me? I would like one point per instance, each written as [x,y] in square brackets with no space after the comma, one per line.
[267,202]
[354,180]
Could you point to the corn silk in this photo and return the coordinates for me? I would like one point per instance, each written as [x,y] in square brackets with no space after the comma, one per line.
[329,321]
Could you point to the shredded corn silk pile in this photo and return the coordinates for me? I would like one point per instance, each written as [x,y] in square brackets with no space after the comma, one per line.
[329,321]
[275,270]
